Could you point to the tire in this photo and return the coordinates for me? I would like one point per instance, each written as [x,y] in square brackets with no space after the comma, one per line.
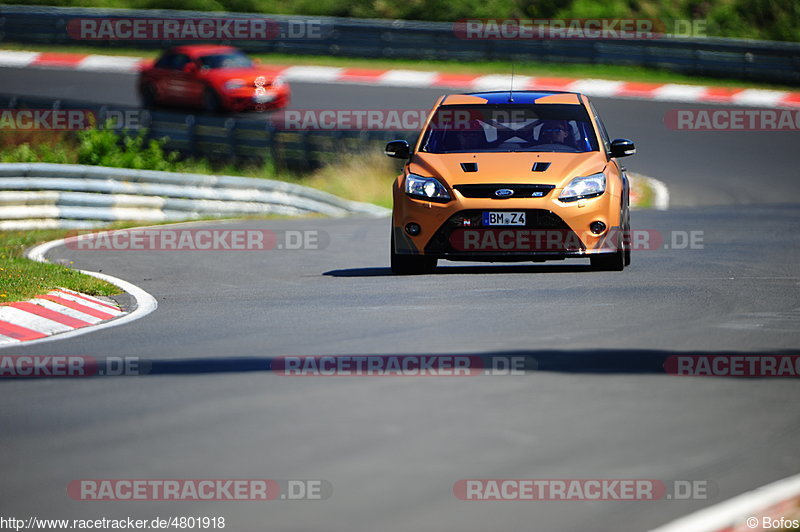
[627,240]
[609,262]
[148,94]
[410,264]
[628,250]
[615,262]
[211,101]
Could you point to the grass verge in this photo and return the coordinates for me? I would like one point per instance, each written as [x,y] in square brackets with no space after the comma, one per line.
[366,177]
[22,278]
[521,68]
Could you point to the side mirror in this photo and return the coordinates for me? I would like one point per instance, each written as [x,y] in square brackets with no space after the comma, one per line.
[622,148]
[190,68]
[398,149]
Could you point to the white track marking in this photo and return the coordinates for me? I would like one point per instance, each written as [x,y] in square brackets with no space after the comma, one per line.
[736,510]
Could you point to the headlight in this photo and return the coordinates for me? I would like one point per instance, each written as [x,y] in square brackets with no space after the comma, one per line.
[426,188]
[584,187]
[234,84]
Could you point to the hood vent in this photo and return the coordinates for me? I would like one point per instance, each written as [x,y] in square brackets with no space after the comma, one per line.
[469,167]
[540,167]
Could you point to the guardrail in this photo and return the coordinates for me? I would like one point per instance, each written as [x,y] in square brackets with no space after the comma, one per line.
[232,139]
[41,195]
[765,61]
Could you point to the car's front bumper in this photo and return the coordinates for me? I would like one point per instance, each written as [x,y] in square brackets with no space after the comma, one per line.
[246,99]
[553,229]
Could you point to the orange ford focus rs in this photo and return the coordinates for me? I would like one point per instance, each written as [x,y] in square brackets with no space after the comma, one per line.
[502,176]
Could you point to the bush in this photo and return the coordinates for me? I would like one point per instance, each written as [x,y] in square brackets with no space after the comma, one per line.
[96,147]
[27,153]
[103,147]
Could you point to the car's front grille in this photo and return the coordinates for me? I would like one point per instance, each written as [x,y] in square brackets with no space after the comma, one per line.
[543,233]
[519,190]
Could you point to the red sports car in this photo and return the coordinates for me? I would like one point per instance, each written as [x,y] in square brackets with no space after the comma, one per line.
[214,78]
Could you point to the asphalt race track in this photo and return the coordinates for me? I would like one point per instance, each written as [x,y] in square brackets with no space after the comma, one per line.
[599,406]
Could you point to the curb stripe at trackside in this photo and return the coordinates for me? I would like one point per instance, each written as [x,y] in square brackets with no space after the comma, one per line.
[109,63]
[19,333]
[731,515]
[144,303]
[77,306]
[554,84]
[46,303]
[313,73]
[7,340]
[17,59]
[30,321]
[361,75]
[454,80]
[100,307]
[58,59]
[408,78]
[65,313]
[88,298]
[50,314]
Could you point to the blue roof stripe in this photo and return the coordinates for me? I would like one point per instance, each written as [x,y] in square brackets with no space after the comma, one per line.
[520,97]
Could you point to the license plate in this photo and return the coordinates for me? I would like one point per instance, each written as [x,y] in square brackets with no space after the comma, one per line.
[503,218]
[263,98]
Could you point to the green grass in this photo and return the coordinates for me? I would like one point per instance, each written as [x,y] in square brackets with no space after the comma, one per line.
[22,279]
[528,68]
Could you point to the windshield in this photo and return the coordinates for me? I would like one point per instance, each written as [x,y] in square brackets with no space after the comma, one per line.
[510,128]
[227,60]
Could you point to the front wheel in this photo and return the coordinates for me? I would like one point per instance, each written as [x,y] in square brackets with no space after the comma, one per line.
[211,101]
[149,100]
[609,262]
[616,261]
[626,240]
[410,264]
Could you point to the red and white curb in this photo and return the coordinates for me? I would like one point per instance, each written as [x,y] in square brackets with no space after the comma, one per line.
[668,92]
[744,512]
[64,313]
[56,312]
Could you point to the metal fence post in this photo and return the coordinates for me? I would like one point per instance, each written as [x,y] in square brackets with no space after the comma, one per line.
[191,132]
[230,136]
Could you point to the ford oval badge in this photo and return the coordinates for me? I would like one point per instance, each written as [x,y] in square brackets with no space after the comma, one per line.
[504,193]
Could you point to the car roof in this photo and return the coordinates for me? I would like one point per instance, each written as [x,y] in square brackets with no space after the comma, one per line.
[524,97]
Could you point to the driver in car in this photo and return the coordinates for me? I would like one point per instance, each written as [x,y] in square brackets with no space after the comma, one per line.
[556,132]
